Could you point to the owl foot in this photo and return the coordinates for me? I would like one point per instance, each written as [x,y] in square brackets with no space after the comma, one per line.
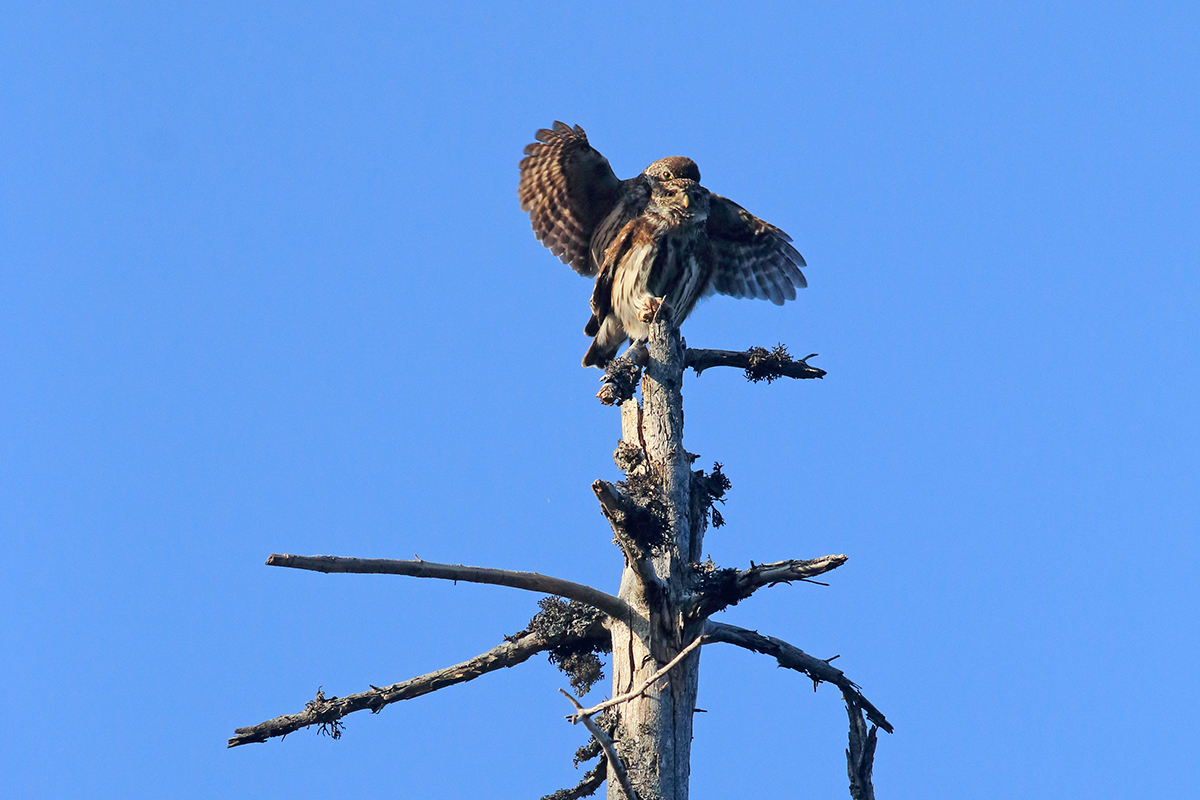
[649,309]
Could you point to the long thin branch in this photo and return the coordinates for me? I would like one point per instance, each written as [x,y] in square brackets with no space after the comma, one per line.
[606,744]
[646,684]
[759,363]
[324,711]
[532,581]
[725,593]
[794,658]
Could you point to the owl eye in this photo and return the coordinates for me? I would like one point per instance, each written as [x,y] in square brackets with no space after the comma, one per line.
[667,175]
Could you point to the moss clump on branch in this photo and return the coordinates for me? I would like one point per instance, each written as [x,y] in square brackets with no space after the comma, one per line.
[715,582]
[628,457]
[709,489]
[646,519]
[577,657]
[767,365]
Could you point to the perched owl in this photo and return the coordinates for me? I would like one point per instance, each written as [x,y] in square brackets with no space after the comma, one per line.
[663,254]
[660,235]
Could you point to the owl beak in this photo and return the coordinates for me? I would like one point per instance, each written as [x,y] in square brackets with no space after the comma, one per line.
[687,200]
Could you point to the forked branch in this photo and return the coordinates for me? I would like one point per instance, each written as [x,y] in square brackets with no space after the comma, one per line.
[860,755]
[324,711]
[531,581]
[606,744]
[581,712]
[794,658]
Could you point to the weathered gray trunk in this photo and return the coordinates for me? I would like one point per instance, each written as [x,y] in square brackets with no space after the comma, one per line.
[654,737]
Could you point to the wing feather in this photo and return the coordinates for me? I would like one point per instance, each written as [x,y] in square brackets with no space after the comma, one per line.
[753,258]
[568,189]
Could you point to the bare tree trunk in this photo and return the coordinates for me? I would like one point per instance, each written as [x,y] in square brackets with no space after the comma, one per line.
[654,735]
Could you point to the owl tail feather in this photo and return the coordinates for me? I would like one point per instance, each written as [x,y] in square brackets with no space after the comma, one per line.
[609,338]
[597,356]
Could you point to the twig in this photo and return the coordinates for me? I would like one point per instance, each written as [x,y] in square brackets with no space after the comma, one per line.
[579,715]
[754,359]
[324,711]
[610,752]
[794,658]
[728,593]
[860,755]
[532,581]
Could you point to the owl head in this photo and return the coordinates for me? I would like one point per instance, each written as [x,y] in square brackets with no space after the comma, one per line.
[671,167]
[680,199]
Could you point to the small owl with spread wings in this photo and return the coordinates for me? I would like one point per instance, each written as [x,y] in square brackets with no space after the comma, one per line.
[660,236]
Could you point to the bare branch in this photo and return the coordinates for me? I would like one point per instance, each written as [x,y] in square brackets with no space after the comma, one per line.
[759,363]
[795,569]
[860,755]
[531,581]
[324,711]
[610,752]
[794,658]
[616,701]
[727,588]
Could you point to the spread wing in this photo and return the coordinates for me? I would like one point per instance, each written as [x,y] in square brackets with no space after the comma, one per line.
[569,189]
[753,258]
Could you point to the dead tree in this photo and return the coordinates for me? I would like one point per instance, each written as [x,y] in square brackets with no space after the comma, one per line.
[659,620]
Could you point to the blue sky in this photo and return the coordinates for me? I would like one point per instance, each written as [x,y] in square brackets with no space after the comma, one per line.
[266,288]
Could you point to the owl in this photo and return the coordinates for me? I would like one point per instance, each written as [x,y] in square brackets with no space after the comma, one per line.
[658,236]
[661,255]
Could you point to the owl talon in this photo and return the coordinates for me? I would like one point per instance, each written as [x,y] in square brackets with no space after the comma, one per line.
[649,309]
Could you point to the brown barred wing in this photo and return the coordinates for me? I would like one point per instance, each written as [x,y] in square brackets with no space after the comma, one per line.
[753,258]
[568,189]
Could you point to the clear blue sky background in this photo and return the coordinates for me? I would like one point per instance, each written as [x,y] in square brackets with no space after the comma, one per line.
[265,286]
